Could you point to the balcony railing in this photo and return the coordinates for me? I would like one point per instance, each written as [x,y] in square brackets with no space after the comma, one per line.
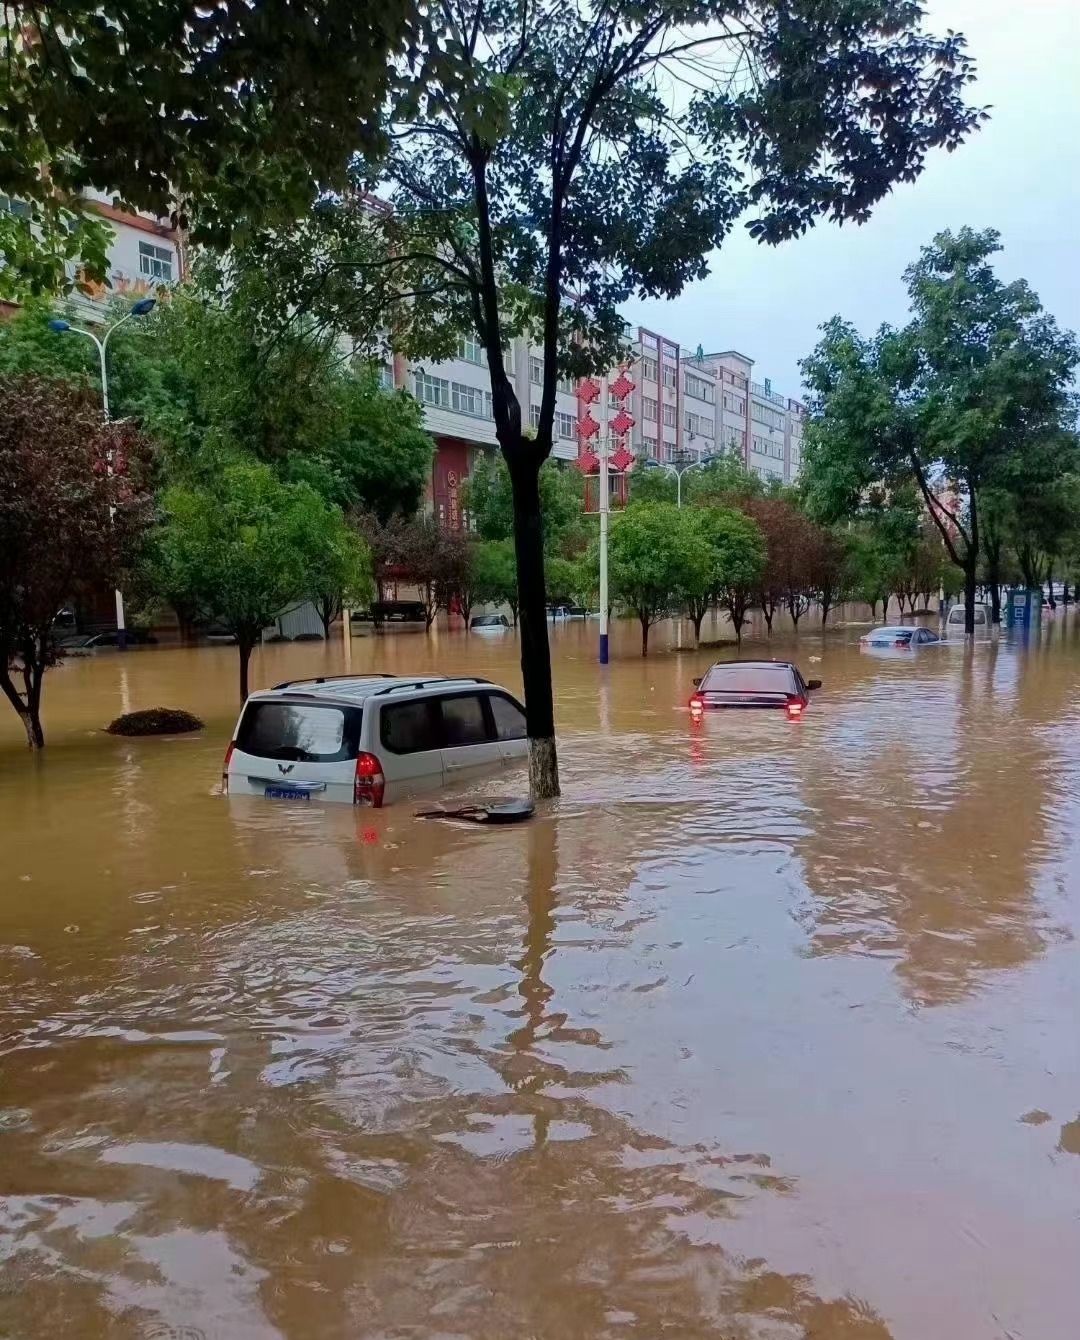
[764,394]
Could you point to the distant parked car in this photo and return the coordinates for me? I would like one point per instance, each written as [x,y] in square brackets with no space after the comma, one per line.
[899,637]
[489,623]
[398,611]
[80,642]
[776,684]
[370,740]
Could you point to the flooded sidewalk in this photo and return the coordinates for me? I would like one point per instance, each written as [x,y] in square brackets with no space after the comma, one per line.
[766,1030]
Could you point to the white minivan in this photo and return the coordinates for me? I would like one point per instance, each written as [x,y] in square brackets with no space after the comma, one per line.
[370,740]
[954,620]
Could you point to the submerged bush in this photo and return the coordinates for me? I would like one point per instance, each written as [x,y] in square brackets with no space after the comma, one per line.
[155,721]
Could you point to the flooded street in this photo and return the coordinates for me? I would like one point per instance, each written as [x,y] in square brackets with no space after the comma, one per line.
[765,1031]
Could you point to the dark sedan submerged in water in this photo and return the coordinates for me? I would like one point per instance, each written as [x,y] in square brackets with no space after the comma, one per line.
[777,684]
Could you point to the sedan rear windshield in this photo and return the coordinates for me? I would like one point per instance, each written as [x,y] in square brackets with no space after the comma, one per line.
[303,732]
[749,679]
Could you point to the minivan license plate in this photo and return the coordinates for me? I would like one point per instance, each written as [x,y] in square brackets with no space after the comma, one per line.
[286,793]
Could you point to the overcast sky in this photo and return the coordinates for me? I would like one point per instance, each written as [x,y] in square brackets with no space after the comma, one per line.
[1020,174]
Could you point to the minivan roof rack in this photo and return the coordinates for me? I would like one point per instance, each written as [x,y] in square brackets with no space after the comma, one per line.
[429,680]
[329,679]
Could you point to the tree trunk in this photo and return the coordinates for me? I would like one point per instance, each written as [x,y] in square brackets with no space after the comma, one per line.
[35,736]
[326,608]
[644,634]
[532,610]
[1050,585]
[29,711]
[969,598]
[245,645]
[697,618]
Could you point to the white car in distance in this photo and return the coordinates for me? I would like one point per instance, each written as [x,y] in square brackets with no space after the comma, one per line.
[370,740]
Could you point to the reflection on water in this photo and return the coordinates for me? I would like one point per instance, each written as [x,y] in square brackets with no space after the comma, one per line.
[763,1031]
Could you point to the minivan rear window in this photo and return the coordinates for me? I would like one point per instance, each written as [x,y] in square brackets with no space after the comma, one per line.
[304,732]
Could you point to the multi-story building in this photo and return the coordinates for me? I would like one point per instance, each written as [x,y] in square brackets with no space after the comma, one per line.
[146,254]
[682,407]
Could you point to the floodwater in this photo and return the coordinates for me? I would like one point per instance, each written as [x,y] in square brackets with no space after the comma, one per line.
[765,1031]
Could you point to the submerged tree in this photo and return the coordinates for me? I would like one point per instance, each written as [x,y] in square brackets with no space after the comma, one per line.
[74,502]
[735,553]
[240,549]
[653,556]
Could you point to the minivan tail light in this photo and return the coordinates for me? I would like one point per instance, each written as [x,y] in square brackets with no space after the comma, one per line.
[369,784]
[225,767]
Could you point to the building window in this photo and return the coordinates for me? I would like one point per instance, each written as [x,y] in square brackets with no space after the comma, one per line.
[669,376]
[565,425]
[696,424]
[771,417]
[566,385]
[386,376]
[649,408]
[698,388]
[536,370]
[431,390]
[649,369]
[534,415]
[469,349]
[9,205]
[156,262]
[470,400]
[669,416]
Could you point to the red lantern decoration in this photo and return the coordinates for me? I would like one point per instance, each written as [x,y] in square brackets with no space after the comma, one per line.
[622,423]
[588,463]
[587,427]
[621,387]
[588,391]
[621,459]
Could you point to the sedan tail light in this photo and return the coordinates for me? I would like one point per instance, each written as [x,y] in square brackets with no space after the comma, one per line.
[795,707]
[697,705]
[369,784]
[225,767]
[902,642]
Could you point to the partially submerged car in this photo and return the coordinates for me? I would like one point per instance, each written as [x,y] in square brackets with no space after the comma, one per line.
[371,740]
[748,684]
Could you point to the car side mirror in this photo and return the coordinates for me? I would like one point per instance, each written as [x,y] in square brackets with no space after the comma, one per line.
[813,683]
[697,682]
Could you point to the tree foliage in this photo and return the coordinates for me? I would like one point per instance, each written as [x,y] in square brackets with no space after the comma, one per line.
[968,397]
[487,496]
[61,470]
[248,110]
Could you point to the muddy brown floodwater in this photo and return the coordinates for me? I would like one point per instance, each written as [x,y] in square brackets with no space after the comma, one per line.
[763,1031]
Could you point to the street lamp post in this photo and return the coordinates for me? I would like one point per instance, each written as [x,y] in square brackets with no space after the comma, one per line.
[140,308]
[674,470]
[605,507]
